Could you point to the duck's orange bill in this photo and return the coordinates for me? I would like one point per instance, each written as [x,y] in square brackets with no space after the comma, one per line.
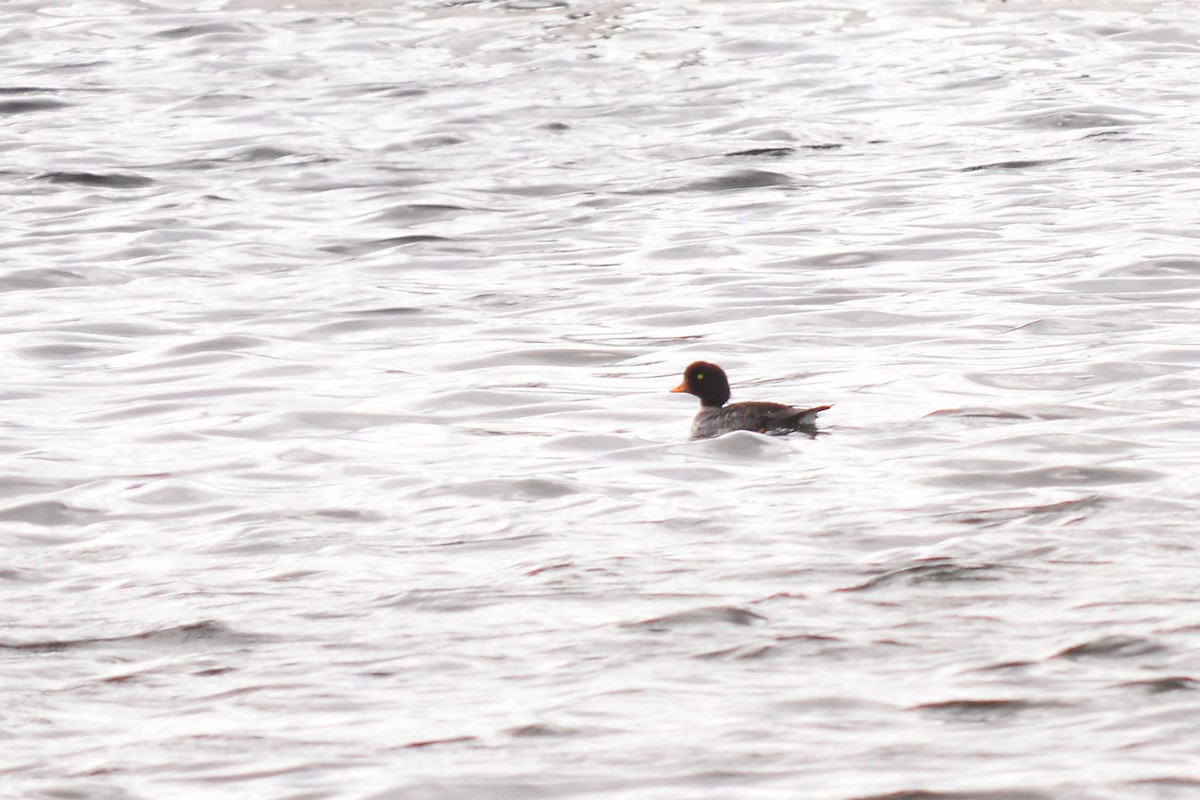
[680,388]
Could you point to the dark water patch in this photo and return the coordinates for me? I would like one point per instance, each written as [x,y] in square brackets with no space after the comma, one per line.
[295,575]
[748,446]
[346,420]
[216,102]
[1036,381]
[401,92]
[973,82]
[612,443]
[1006,666]
[559,567]
[1069,476]
[27,106]
[867,318]
[426,743]
[408,319]
[390,311]
[78,65]
[119,329]
[373,245]
[749,652]
[1061,325]
[737,181]
[203,164]
[413,213]
[512,489]
[936,571]
[784,645]
[700,617]
[125,677]
[1174,786]
[1075,119]
[1111,647]
[263,153]
[215,29]
[547,356]
[1161,266]
[982,710]
[218,344]
[844,259]
[207,630]
[66,352]
[50,514]
[1122,137]
[40,278]
[140,410]
[98,180]
[762,152]
[171,490]
[428,142]
[12,575]
[169,369]
[1128,288]
[1014,164]
[998,516]
[1164,685]
[1080,476]
[1165,34]
[534,5]
[538,730]
[980,413]
[16,484]
[447,600]
[540,189]
[487,398]
[690,475]
[212,672]
[345,515]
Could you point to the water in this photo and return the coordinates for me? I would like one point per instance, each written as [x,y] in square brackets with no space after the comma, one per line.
[340,460]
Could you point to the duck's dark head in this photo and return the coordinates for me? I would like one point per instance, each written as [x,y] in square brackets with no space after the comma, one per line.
[706,381]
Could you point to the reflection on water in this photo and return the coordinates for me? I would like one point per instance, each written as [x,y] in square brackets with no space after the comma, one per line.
[340,458]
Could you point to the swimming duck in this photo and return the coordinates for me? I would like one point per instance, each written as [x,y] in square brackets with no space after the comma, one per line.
[708,382]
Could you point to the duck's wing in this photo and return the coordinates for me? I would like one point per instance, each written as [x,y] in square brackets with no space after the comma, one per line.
[778,417]
[774,418]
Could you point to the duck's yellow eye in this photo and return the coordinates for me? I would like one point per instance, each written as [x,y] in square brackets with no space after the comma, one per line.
[699,376]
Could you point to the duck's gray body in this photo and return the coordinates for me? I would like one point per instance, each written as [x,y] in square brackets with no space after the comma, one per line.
[776,419]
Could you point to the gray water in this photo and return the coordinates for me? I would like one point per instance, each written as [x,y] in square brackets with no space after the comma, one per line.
[339,454]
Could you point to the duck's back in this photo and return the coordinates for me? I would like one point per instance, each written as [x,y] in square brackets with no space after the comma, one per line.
[770,418]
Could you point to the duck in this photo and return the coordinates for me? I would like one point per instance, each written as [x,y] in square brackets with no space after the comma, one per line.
[709,382]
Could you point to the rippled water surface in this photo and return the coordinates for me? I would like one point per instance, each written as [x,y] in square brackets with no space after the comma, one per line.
[339,456]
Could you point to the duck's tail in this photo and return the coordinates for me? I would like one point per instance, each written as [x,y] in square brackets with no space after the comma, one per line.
[808,417]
